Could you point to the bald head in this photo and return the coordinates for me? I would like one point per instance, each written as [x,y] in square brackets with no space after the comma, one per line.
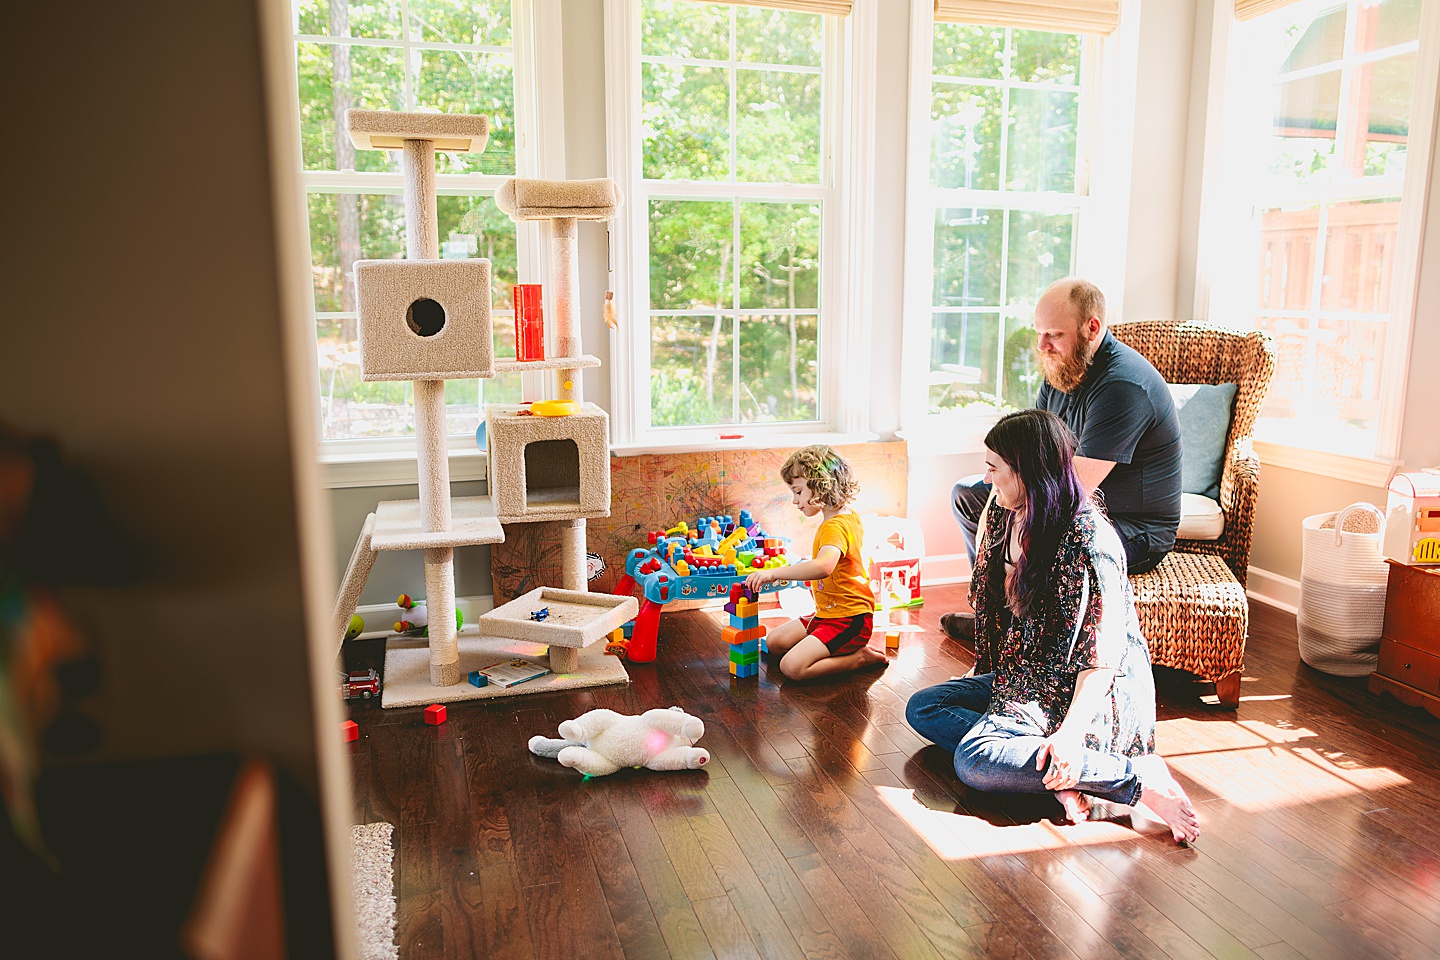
[1069,324]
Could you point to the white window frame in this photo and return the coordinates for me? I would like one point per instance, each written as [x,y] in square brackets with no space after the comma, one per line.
[1225,216]
[539,152]
[1105,139]
[843,325]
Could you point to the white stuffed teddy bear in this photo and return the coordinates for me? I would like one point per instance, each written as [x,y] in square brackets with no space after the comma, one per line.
[602,741]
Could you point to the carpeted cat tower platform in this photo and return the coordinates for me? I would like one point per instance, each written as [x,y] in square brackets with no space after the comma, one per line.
[428,320]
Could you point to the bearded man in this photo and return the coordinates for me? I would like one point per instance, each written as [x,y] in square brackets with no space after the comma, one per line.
[1121,410]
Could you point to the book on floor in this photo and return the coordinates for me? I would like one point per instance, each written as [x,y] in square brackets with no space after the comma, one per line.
[507,673]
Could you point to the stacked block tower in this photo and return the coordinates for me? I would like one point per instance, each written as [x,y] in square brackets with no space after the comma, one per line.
[428,320]
[744,633]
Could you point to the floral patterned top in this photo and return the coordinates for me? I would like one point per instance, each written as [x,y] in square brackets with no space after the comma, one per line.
[1087,622]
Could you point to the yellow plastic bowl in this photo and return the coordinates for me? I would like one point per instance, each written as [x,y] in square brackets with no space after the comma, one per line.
[552,408]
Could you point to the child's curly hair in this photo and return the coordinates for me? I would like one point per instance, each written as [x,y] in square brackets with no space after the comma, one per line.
[831,480]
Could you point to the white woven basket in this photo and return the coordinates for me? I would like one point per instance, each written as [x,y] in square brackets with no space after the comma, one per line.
[1342,590]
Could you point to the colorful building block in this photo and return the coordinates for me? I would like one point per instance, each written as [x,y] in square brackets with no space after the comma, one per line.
[746,608]
[737,657]
[744,623]
[742,670]
[730,635]
[749,646]
[350,730]
[478,679]
[435,714]
[892,640]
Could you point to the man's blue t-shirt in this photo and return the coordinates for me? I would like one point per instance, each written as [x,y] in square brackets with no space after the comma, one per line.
[1123,412]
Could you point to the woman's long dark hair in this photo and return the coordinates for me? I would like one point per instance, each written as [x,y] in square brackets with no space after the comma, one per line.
[1040,448]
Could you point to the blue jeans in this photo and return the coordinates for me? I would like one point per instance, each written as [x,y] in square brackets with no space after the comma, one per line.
[997,754]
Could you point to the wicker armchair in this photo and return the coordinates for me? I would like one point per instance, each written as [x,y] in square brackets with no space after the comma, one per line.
[1192,608]
[1186,352]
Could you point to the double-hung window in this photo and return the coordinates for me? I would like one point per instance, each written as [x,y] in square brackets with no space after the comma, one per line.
[724,124]
[1002,122]
[442,56]
[1319,236]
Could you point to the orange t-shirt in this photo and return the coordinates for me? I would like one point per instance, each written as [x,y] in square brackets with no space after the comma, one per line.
[846,592]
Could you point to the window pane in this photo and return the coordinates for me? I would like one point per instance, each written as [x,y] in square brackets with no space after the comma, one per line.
[451,21]
[686,122]
[692,252]
[1395,21]
[1043,57]
[1021,368]
[349,407]
[348,227]
[968,257]
[1041,153]
[777,127]
[968,50]
[1382,123]
[963,349]
[681,28]
[1304,127]
[1288,239]
[964,136]
[462,406]
[374,19]
[1325,391]
[375,83]
[1360,256]
[1310,41]
[779,375]
[691,370]
[779,255]
[458,82]
[1040,251]
[778,36]
[475,227]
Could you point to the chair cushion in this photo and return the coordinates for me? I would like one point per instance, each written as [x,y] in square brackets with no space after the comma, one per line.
[1204,410]
[1200,518]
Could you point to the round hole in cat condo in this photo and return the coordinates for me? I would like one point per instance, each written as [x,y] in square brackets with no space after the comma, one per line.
[425,317]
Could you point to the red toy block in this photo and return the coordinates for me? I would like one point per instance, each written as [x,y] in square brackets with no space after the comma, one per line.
[435,714]
[350,730]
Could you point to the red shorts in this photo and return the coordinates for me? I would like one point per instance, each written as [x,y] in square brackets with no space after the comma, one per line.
[841,635]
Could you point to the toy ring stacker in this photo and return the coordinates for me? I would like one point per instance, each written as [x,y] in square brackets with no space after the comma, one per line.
[553,408]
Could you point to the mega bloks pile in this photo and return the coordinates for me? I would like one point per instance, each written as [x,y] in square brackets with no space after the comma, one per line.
[702,562]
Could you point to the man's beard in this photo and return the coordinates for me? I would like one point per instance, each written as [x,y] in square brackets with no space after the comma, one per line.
[1066,372]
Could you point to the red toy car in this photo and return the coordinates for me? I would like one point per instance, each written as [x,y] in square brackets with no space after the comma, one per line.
[360,683]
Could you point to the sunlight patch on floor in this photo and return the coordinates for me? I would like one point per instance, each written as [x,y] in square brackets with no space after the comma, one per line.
[954,835]
[1258,766]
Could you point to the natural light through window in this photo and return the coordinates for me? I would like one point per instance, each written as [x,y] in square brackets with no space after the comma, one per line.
[442,56]
[1007,185]
[736,188]
[1321,96]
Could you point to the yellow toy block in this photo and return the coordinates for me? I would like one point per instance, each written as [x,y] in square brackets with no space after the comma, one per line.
[747,608]
[682,568]
[892,640]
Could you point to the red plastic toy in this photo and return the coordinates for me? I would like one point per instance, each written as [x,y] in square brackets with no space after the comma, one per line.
[350,730]
[435,714]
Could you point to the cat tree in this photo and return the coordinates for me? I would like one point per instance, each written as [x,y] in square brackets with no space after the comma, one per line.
[428,320]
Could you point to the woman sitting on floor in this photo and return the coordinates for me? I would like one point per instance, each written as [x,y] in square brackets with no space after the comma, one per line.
[1061,698]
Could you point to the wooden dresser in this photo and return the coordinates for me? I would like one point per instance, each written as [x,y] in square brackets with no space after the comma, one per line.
[1409,666]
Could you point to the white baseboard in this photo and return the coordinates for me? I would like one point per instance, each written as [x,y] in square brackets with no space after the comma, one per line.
[1279,592]
[380,617]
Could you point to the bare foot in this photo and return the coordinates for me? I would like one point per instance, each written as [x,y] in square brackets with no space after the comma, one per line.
[1163,797]
[868,656]
[1076,804]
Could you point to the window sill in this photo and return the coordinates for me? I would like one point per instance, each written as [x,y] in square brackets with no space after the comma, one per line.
[712,442]
[1338,466]
[393,463]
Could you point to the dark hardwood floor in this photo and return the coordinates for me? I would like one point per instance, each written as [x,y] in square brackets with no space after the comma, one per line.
[824,827]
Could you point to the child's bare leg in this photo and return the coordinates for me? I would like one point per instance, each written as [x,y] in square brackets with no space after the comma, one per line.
[779,640]
[810,658]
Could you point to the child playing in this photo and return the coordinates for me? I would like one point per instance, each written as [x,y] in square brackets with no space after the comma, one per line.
[837,637]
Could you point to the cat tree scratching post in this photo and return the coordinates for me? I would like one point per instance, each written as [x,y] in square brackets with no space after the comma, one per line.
[425,320]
